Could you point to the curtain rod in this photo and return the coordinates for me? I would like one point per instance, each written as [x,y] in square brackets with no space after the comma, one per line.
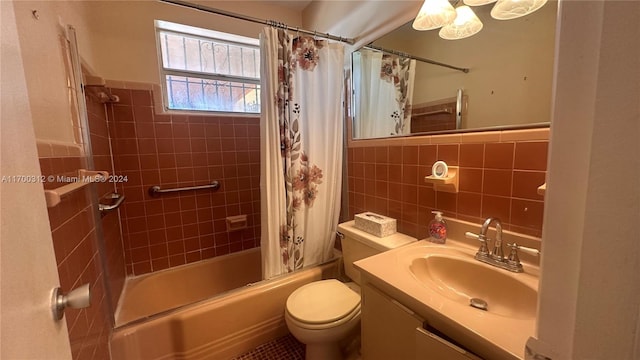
[256,20]
[428,61]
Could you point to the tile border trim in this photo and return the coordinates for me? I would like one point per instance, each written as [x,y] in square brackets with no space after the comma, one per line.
[53,149]
[539,134]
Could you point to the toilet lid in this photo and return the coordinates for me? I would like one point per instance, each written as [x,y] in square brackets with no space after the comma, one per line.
[322,302]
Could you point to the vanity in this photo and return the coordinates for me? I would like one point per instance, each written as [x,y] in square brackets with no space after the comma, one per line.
[417,301]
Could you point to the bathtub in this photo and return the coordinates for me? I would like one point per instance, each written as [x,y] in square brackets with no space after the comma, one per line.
[154,293]
[215,328]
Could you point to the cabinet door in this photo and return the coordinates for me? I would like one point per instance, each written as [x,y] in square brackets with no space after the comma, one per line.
[388,328]
[431,346]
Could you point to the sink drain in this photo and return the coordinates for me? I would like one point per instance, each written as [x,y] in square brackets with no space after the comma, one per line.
[478,304]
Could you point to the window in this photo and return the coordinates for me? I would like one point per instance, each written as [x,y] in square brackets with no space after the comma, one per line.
[208,70]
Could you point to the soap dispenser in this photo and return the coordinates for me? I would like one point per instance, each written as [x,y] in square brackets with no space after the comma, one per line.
[437,229]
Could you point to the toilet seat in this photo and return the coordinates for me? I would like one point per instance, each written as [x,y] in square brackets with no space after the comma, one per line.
[323,304]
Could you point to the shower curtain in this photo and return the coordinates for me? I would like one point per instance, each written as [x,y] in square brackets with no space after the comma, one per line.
[301,149]
[384,89]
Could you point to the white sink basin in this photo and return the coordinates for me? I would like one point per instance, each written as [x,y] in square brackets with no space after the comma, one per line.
[461,278]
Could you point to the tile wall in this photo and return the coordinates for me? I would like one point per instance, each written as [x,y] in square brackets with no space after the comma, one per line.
[177,151]
[76,248]
[499,177]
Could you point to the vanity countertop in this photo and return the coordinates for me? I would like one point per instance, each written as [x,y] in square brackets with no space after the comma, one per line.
[497,334]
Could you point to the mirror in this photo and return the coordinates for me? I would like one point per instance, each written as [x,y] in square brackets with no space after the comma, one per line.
[508,84]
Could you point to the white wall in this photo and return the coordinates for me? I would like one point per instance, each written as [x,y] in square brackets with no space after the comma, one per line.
[44,63]
[590,288]
[125,31]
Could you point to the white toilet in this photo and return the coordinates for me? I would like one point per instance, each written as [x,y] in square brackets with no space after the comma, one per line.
[324,313]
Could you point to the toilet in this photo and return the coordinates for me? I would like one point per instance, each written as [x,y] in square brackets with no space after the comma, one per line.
[324,314]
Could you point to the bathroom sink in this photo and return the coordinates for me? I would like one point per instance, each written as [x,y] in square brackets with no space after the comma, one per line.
[462,278]
[437,282]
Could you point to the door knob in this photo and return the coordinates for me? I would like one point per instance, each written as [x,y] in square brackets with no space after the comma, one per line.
[76,299]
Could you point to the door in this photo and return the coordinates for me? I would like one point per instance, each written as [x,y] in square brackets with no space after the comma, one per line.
[27,260]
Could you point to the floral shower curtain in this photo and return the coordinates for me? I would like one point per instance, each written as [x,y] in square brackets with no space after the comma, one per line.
[384,87]
[301,149]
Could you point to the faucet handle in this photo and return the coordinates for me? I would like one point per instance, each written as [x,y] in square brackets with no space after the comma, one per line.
[470,235]
[513,255]
[484,250]
[528,250]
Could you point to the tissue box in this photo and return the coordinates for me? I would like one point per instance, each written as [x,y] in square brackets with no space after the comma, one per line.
[375,224]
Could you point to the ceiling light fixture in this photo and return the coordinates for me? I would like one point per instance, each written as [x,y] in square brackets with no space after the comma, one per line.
[512,9]
[434,14]
[462,22]
[465,24]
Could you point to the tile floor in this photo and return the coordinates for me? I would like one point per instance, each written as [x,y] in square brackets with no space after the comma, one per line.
[284,348]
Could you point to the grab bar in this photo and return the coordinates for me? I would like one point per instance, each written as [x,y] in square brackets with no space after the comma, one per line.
[436,112]
[156,190]
[107,208]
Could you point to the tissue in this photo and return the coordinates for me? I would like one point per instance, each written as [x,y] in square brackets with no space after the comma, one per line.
[375,224]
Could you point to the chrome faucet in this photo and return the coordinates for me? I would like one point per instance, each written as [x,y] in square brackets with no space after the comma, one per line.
[497,253]
[496,256]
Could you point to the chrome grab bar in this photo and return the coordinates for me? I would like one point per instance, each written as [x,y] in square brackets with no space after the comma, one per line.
[157,190]
[107,208]
[436,112]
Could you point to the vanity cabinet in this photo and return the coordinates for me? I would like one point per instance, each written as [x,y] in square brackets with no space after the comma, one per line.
[432,346]
[390,330]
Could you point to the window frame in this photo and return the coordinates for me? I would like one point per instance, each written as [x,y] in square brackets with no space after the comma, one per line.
[167,27]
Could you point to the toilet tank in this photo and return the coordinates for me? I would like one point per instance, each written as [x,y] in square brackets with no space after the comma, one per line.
[357,245]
